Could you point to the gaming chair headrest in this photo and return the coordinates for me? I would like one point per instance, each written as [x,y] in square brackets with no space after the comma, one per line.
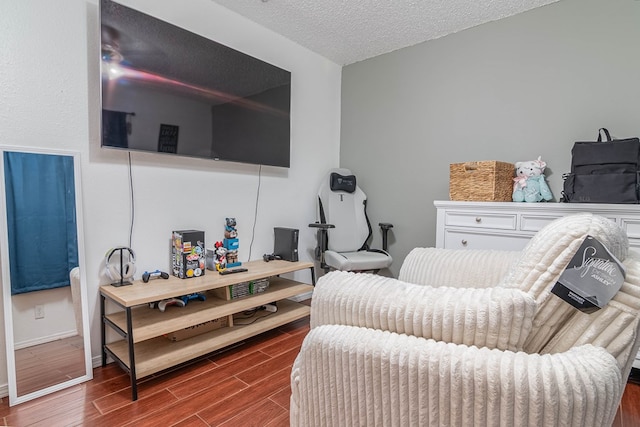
[126,259]
[339,182]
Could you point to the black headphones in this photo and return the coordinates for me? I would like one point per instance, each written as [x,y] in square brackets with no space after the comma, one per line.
[120,269]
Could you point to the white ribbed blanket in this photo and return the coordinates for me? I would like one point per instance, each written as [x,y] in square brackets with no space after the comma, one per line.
[350,376]
[492,317]
[572,372]
[546,256]
[457,268]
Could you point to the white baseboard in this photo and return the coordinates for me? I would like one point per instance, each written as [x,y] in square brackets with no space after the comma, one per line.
[44,340]
[96,361]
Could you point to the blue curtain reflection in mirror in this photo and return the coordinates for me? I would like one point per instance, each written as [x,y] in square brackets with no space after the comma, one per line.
[41,217]
[115,128]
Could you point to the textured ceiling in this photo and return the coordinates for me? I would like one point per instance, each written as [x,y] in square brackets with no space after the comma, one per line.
[348,31]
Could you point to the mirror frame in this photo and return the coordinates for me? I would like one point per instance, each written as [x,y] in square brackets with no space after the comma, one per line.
[14,399]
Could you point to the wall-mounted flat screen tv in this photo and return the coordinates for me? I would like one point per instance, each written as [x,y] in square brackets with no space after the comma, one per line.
[168,90]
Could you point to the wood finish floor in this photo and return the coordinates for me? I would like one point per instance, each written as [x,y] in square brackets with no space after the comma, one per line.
[43,365]
[247,385]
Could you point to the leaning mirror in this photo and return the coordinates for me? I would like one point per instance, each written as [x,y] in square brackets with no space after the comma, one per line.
[43,274]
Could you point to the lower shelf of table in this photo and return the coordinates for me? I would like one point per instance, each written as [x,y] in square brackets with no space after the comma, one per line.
[158,354]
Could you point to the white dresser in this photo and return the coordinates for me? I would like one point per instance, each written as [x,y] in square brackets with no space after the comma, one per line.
[510,225]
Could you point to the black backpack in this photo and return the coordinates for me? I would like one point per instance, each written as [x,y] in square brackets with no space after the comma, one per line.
[603,171]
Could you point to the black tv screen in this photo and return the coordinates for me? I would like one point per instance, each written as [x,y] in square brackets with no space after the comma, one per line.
[168,90]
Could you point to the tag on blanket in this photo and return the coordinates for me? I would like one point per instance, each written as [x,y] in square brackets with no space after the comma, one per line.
[592,277]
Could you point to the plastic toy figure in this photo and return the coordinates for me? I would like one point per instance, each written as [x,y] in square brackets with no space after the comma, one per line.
[231,242]
[221,256]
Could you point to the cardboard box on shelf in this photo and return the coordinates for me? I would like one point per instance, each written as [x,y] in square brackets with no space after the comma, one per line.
[192,331]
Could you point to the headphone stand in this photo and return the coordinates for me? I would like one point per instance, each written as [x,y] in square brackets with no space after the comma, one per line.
[122,282]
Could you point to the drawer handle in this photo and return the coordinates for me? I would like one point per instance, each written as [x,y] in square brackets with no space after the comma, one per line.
[478,219]
[464,242]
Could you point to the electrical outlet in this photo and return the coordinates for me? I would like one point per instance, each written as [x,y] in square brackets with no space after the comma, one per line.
[39,311]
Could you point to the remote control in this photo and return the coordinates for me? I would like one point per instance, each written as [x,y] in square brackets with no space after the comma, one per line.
[235,270]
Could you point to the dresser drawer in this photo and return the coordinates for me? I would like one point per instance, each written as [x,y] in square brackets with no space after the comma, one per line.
[481,220]
[471,240]
[535,222]
[632,227]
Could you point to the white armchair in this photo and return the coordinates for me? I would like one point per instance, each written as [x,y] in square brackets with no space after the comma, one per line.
[469,338]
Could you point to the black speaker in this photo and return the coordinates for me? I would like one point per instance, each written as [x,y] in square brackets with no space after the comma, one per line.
[285,243]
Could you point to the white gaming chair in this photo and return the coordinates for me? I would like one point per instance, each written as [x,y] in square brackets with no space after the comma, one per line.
[343,227]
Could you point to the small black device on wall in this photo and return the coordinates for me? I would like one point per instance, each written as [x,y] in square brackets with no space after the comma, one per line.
[285,243]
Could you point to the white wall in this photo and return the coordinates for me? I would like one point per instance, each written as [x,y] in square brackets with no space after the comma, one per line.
[50,86]
[515,89]
[59,321]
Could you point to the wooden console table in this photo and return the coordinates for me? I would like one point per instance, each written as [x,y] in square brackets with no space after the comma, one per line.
[144,350]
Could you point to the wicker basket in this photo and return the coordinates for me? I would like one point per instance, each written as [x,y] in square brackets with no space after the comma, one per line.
[487,181]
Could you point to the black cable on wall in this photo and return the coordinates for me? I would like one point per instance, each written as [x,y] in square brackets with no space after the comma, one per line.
[255,214]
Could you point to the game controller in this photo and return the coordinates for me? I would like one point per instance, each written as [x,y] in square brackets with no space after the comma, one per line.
[154,274]
[272,308]
[270,257]
[187,298]
[162,305]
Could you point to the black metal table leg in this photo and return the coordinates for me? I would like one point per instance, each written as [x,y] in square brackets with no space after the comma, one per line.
[102,331]
[132,361]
